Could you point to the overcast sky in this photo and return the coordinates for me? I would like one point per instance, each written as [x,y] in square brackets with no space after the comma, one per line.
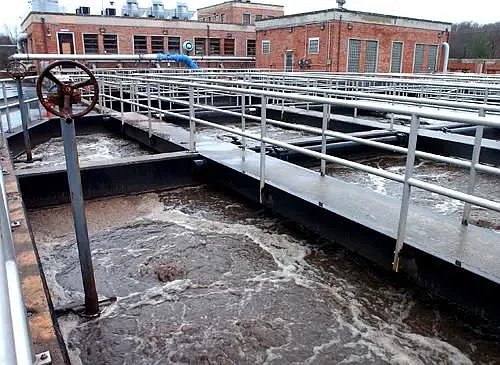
[481,11]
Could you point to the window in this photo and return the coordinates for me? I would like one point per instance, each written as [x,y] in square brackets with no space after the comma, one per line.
[266,47]
[432,58]
[228,47]
[214,44]
[110,43]
[200,48]
[90,43]
[353,55]
[313,45]
[140,44]
[222,18]
[371,56]
[246,18]
[396,56]
[418,60]
[258,17]
[157,44]
[174,44]
[251,46]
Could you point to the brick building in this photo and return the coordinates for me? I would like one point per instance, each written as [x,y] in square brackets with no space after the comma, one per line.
[484,66]
[239,12]
[342,40]
[96,34]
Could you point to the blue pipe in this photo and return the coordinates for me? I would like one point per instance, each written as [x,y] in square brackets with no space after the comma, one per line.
[188,61]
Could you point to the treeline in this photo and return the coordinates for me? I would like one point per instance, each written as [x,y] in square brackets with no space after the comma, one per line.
[472,40]
[5,52]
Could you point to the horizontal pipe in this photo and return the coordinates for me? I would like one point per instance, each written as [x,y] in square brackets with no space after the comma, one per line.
[115,57]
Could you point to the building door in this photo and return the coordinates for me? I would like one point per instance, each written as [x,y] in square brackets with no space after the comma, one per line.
[66,43]
[288,61]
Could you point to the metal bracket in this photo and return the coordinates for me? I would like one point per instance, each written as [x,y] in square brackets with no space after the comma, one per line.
[43,358]
[15,224]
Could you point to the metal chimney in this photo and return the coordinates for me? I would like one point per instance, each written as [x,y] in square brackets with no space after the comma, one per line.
[341,3]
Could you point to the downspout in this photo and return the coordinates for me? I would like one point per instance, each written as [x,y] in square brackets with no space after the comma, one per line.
[338,44]
[446,59]
[44,37]
[208,40]
[328,58]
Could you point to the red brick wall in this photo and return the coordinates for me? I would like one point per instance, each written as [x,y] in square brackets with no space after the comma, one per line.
[234,13]
[125,36]
[474,66]
[283,39]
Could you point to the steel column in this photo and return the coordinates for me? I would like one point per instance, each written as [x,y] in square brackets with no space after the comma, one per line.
[79,219]
[7,112]
[192,125]
[324,127]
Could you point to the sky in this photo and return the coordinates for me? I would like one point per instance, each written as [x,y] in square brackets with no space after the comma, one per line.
[480,11]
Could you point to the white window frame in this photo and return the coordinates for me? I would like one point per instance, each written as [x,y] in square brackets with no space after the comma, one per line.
[378,53]
[83,42]
[249,19]
[437,55]
[402,56]
[415,53]
[312,39]
[74,43]
[347,55]
[284,60]
[117,42]
[262,46]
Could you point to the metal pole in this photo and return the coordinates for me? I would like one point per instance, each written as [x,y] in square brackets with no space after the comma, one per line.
[24,120]
[7,112]
[405,201]
[121,100]
[192,125]
[243,126]
[324,127]
[79,220]
[263,117]
[148,92]
[476,152]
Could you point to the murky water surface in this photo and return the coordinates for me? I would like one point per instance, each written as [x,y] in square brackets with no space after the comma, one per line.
[487,186]
[100,146]
[204,277]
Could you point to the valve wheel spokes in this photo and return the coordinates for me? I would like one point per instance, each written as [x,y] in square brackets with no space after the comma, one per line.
[68,92]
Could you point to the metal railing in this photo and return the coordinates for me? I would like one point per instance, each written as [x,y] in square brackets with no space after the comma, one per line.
[15,342]
[149,89]
[8,107]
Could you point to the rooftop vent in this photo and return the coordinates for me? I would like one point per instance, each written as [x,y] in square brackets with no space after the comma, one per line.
[341,3]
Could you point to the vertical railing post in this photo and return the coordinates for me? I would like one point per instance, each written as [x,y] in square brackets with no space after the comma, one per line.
[324,127]
[243,125]
[101,97]
[476,152]
[405,200]
[7,112]
[263,130]
[192,124]
[148,92]
[121,100]
[160,105]
[24,120]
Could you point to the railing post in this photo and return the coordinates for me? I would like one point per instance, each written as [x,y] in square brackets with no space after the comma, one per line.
[405,200]
[324,127]
[101,96]
[476,152]
[159,101]
[263,130]
[192,124]
[243,125]
[24,120]
[148,92]
[7,112]
[121,100]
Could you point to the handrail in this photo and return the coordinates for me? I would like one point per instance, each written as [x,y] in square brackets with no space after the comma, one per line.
[15,342]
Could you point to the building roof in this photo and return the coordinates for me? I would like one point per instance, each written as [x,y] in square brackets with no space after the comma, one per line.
[117,20]
[348,15]
[239,2]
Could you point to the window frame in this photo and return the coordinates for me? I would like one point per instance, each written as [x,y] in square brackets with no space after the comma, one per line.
[312,39]
[402,56]
[262,47]
[133,43]
[117,43]
[83,42]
